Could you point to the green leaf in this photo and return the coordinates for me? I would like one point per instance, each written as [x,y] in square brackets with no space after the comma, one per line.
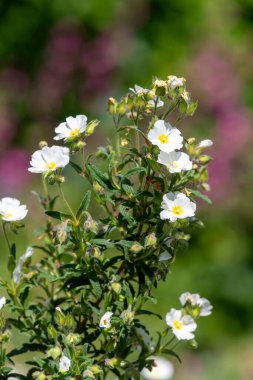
[84,204]
[133,171]
[147,312]
[76,167]
[103,242]
[171,353]
[99,177]
[123,211]
[12,259]
[200,195]
[58,215]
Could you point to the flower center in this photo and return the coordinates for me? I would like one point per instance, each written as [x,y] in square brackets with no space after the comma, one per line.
[51,165]
[74,132]
[178,325]
[164,139]
[174,164]
[105,322]
[8,214]
[177,210]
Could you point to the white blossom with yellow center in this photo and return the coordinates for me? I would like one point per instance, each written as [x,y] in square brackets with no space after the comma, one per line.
[71,128]
[64,364]
[48,159]
[175,161]
[11,210]
[205,307]
[105,321]
[177,206]
[204,144]
[182,325]
[165,137]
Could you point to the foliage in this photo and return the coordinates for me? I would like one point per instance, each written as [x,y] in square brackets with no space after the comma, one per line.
[95,277]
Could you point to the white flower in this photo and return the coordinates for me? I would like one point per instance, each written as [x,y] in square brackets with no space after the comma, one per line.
[71,128]
[175,161]
[205,307]
[204,144]
[165,136]
[162,370]
[17,273]
[182,326]
[2,302]
[11,210]
[105,321]
[64,364]
[138,90]
[175,82]
[49,159]
[177,206]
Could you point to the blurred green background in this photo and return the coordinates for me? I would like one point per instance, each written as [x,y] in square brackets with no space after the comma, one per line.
[64,57]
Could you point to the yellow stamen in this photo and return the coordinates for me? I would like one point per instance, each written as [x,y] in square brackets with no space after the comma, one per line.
[74,132]
[105,322]
[164,139]
[8,214]
[178,325]
[51,165]
[177,210]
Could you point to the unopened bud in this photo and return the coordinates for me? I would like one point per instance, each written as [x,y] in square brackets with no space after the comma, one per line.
[52,332]
[54,352]
[72,339]
[122,107]
[112,104]
[91,127]
[116,287]
[88,374]
[42,144]
[127,316]
[123,142]
[136,247]
[204,159]
[5,337]
[41,376]
[69,321]
[98,189]
[113,362]
[150,240]
[59,179]
[78,146]
[95,369]
[191,140]
[206,186]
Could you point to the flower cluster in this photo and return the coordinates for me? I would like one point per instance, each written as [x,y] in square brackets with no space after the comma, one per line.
[80,302]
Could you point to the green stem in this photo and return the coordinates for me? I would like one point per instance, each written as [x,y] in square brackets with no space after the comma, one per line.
[67,204]
[45,186]
[6,236]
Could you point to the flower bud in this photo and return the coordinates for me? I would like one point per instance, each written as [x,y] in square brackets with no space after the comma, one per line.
[123,142]
[113,362]
[59,179]
[112,105]
[175,83]
[88,373]
[150,240]
[69,321]
[72,339]
[206,186]
[127,316]
[116,287]
[42,144]
[204,159]
[191,140]
[54,352]
[5,337]
[136,247]
[41,376]
[95,369]
[98,189]
[78,146]
[91,127]
[96,253]
[122,107]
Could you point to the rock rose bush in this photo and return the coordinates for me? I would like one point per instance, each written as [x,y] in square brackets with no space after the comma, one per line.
[78,293]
